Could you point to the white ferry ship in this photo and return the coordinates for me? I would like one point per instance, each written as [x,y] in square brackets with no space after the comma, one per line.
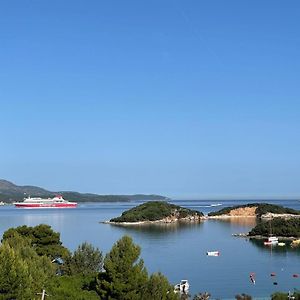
[56,202]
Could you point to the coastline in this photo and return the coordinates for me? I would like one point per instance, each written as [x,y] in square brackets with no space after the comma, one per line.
[190,219]
[266,216]
[193,219]
[269,216]
[229,217]
[262,237]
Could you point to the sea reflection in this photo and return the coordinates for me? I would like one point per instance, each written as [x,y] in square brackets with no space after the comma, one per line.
[275,249]
[163,229]
[34,219]
[178,250]
[241,221]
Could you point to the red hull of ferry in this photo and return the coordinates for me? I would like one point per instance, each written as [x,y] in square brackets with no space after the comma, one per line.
[37,202]
[52,205]
[46,205]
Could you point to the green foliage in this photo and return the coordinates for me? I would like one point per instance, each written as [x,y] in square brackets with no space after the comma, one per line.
[279,227]
[159,288]
[23,272]
[275,209]
[71,287]
[202,296]
[279,296]
[125,277]
[285,296]
[85,260]
[44,240]
[262,208]
[154,210]
[13,275]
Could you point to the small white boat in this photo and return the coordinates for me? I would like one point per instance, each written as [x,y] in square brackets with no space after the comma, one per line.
[281,244]
[182,287]
[212,253]
[272,240]
[252,277]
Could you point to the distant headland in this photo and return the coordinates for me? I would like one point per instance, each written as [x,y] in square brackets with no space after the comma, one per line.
[9,192]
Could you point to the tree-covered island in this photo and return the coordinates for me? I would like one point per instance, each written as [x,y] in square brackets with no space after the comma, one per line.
[272,219]
[280,227]
[259,210]
[157,211]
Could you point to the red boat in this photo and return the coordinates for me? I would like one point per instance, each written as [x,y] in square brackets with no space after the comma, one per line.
[56,202]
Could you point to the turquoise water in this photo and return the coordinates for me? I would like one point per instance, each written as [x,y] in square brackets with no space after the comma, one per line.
[179,251]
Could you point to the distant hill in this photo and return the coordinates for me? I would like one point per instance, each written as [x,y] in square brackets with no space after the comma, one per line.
[9,192]
[7,187]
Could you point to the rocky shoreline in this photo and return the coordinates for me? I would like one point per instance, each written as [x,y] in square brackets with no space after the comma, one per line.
[269,216]
[262,237]
[168,220]
[222,217]
[195,218]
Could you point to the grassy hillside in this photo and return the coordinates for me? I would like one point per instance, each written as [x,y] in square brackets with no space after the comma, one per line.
[153,211]
[262,208]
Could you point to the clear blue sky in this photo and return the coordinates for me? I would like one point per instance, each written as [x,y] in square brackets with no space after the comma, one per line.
[189,99]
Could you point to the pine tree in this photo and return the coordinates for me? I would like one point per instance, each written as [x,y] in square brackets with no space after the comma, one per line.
[125,277]
[86,260]
[14,275]
[23,271]
[159,288]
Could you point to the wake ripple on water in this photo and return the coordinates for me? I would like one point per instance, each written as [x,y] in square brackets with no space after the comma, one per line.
[211,205]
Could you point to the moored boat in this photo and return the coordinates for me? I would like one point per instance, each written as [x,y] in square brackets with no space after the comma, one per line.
[36,202]
[272,240]
[182,287]
[212,253]
[252,278]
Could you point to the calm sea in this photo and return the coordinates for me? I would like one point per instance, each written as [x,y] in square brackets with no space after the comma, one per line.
[179,251]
